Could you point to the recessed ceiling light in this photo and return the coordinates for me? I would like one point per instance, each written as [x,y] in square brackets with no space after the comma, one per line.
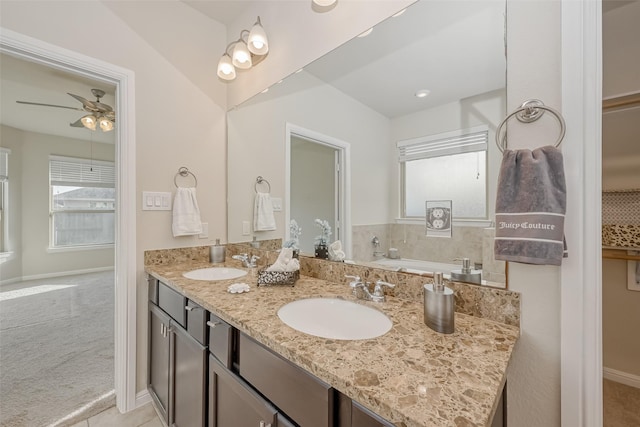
[422,93]
[399,13]
[366,33]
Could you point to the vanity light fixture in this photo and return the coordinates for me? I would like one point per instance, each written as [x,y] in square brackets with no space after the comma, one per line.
[250,48]
[422,93]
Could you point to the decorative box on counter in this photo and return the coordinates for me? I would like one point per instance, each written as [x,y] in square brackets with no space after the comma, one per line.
[272,278]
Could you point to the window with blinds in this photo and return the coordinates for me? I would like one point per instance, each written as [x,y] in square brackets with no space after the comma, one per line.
[82,202]
[4,195]
[448,166]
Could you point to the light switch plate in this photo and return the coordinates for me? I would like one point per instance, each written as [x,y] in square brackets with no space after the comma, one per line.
[156,201]
[246,228]
[205,231]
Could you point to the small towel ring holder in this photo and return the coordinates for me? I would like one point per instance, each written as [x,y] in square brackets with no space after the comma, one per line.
[261,180]
[529,112]
[184,172]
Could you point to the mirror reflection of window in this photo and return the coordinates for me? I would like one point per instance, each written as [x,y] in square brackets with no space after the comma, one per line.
[448,166]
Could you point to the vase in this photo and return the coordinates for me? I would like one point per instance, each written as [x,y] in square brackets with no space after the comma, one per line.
[322,251]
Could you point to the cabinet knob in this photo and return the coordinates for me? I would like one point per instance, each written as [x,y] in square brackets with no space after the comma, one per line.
[190,308]
[212,324]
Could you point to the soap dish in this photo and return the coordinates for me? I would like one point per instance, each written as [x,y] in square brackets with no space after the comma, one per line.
[238,288]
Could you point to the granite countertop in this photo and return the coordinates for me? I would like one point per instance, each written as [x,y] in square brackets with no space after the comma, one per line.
[412,375]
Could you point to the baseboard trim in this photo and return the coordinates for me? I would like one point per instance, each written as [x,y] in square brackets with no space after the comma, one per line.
[621,377]
[142,398]
[52,275]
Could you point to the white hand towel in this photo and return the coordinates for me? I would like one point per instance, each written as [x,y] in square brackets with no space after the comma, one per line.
[186,214]
[285,261]
[263,219]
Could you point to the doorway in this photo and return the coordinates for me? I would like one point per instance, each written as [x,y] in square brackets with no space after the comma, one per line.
[36,51]
[317,186]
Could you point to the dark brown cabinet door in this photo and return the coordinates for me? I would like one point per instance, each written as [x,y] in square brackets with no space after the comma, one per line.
[232,403]
[188,367]
[159,355]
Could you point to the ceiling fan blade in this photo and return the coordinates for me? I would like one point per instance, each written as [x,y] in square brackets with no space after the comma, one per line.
[88,105]
[49,105]
[77,124]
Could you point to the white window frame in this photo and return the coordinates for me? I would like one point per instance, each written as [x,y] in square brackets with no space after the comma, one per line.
[460,141]
[4,201]
[75,178]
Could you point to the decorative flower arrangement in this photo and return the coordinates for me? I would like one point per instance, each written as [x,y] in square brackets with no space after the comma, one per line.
[323,239]
[295,231]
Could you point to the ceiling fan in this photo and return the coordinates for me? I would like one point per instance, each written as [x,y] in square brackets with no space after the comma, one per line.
[100,114]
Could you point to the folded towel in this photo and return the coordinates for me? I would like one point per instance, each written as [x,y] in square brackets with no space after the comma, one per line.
[263,219]
[335,251]
[285,261]
[186,214]
[530,206]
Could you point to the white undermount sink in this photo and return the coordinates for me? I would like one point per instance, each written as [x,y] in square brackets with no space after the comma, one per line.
[214,273]
[335,318]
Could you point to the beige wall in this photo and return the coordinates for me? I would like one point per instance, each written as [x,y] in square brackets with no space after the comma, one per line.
[36,260]
[620,319]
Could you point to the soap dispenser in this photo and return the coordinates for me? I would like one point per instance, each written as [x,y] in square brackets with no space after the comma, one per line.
[439,307]
[217,252]
[466,273]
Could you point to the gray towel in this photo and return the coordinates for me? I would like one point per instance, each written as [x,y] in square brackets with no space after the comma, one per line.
[530,206]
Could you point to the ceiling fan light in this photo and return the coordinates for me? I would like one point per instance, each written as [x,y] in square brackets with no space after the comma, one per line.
[105,124]
[226,70]
[257,41]
[241,56]
[89,121]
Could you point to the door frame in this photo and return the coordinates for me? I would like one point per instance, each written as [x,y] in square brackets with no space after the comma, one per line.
[34,50]
[344,152]
[581,283]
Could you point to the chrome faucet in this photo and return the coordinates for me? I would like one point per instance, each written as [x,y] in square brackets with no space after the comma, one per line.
[376,247]
[248,262]
[378,291]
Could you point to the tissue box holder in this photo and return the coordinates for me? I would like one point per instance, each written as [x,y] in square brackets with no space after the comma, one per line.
[269,278]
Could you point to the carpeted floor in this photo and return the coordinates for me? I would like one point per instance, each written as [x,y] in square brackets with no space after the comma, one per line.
[621,405]
[56,349]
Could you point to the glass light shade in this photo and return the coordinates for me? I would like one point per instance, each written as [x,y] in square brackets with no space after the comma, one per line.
[241,56]
[105,124]
[226,70]
[324,3]
[257,41]
[89,121]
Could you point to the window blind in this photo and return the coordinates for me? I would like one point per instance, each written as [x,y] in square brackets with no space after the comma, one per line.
[81,172]
[444,144]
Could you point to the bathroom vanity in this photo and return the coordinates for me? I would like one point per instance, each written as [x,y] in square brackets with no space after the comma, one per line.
[275,375]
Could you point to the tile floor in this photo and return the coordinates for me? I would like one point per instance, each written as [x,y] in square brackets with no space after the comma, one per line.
[144,416]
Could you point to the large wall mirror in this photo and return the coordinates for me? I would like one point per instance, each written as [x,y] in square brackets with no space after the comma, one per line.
[357,111]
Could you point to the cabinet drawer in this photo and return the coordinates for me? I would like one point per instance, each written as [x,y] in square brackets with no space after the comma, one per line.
[232,403]
[197,322]
[302,397]
[220,340]
[172,303]
[153,289]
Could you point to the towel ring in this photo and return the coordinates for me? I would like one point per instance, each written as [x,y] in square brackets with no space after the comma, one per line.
[261,180]
[529,112]
[184,172]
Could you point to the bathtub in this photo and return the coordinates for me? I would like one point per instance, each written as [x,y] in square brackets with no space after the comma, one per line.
[417,266]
